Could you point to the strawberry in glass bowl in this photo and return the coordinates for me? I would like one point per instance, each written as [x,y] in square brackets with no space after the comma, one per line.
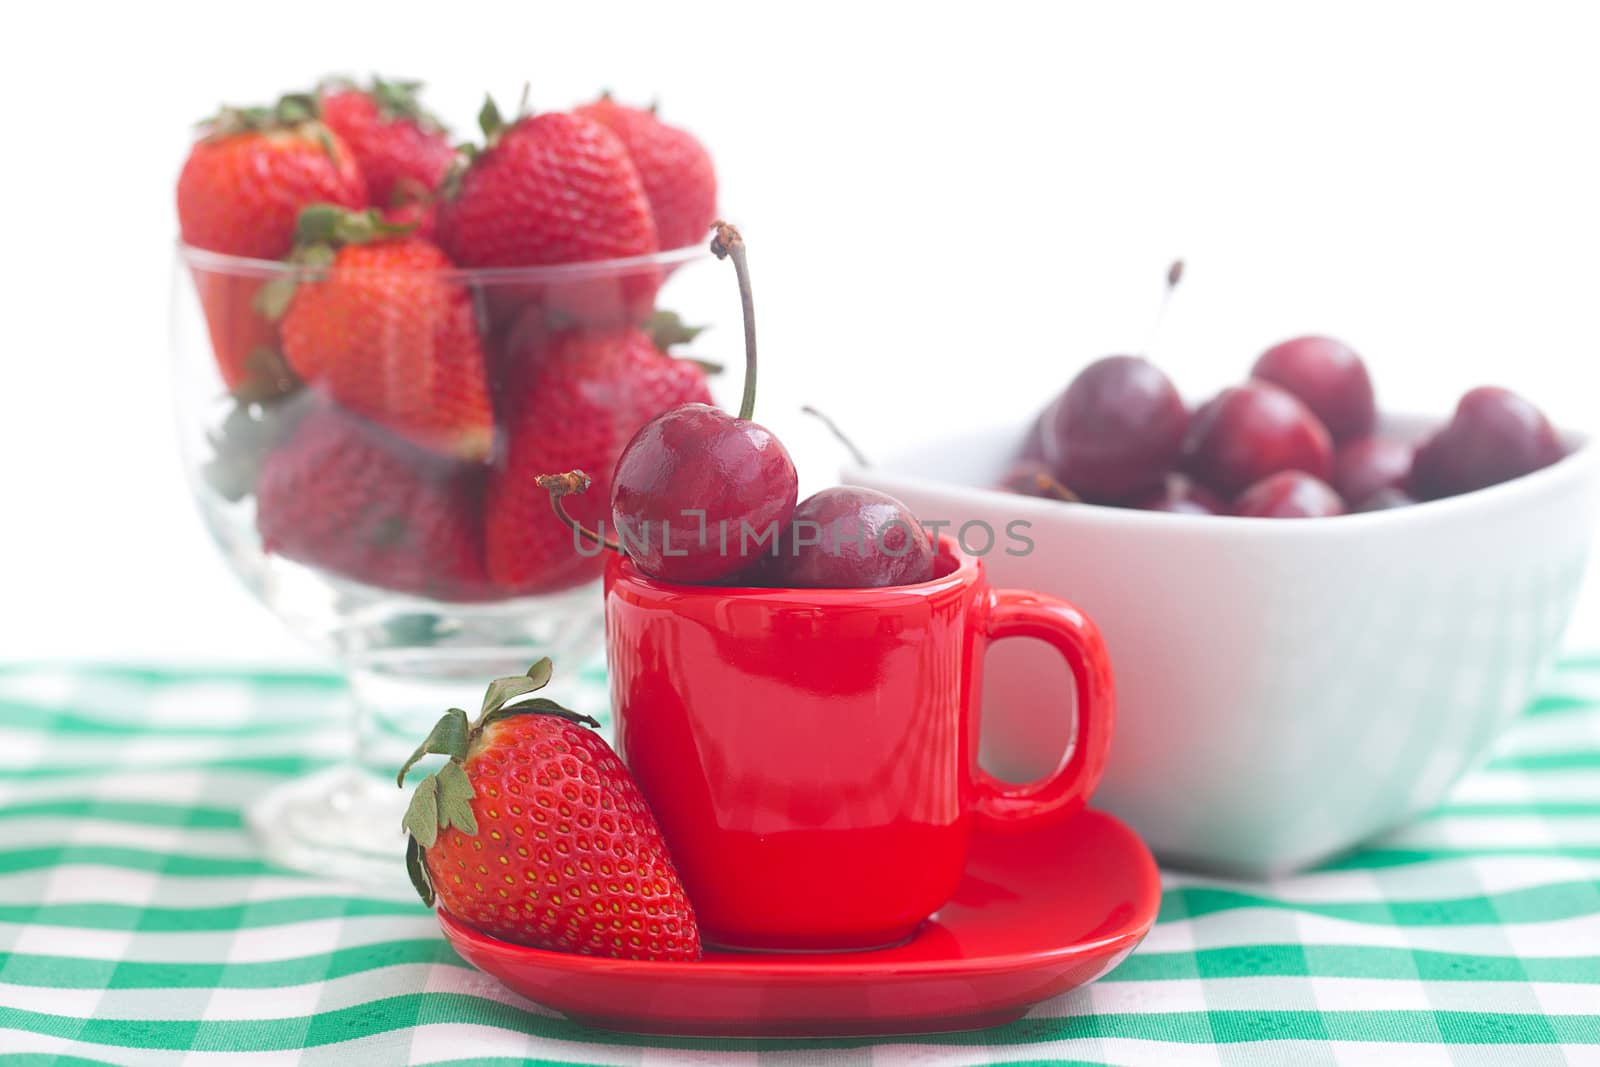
[381,341]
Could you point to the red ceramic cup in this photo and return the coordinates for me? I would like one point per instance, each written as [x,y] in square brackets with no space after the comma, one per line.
[812,754]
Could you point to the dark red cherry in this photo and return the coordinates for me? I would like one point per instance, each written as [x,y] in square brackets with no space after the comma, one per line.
[1328,377]
[1116,430]
[699,494]
[1494,436]
[848,537]
[1182,495]
[1386,498]
[1369,464]
[1289,495]
[1250,431]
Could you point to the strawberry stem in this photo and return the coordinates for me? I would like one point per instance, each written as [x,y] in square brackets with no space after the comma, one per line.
[562,485]
[728,244]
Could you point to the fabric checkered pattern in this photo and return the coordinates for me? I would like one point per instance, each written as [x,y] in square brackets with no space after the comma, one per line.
[138,923]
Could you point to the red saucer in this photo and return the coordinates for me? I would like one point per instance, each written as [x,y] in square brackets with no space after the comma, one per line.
[1036,914]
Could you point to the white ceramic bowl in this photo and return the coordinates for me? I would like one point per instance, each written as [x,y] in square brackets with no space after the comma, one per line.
[1285,688]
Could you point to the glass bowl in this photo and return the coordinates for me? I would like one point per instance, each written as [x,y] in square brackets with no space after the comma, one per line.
[363,442]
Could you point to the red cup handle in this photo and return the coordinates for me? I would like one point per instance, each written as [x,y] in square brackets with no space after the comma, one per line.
[1018,613]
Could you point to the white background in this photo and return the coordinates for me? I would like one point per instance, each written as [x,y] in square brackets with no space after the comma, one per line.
[949,209]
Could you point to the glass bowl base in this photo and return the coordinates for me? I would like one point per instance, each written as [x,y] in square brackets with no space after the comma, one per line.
[342,823]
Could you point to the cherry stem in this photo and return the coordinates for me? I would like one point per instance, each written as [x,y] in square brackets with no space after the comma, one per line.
[563,485]
[1048,484]
[839,435]
[727,244]
[1174,276]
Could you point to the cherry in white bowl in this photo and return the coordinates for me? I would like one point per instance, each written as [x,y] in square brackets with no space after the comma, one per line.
[1286,690]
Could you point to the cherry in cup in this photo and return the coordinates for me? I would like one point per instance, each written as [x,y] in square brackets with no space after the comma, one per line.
[700,497]
[696,492]
[849,537]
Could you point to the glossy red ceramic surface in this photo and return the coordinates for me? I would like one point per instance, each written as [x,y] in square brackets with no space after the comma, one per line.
[1037,913]
[811,754]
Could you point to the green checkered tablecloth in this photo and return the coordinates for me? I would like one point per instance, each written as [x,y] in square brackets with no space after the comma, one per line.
[138,923]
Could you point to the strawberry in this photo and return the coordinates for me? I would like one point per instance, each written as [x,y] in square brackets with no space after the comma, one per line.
[240,192]
[245,181]
[342,495]
[243,340]
[387,336]
[419,218]
[583,395]
[403,151]
[552,189]
[673,166]
[534,833]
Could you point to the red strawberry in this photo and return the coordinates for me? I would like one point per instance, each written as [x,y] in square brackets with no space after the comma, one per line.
[534,833]
[389,338]
[420,218]
[402,150]
[583,395]
[342,495]
[244,341]
[675,168]
[240,192]
[245,181]
[553,189]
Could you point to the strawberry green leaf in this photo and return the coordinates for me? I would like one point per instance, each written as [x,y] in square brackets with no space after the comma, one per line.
[251,429]
[272,300]
[538,706]
[319,225]
[418,871]
[290,110]
[455,796]
[295,108]
[422,814]
[490,121]
[540,672]
[503,689]
[447,738]
[667,328]
[324,139]
[397,99]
